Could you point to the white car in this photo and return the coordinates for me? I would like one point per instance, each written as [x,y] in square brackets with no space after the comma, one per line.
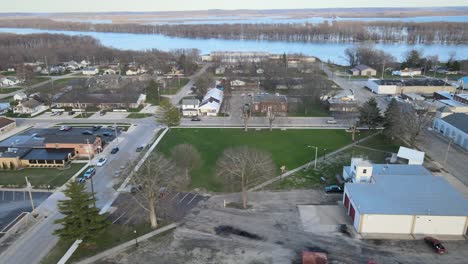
[101,162]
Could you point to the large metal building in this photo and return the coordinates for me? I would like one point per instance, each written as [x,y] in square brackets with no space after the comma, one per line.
[405,204]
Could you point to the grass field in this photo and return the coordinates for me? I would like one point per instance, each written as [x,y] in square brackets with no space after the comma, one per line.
[8,90]
[139,115]
[38,176]
[287,147]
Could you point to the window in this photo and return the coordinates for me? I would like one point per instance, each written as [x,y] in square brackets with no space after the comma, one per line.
[364,171]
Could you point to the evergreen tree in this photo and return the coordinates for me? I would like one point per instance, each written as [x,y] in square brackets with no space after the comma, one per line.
[152,94]
[369,114]
[391,119]
[285,60]
[168,114]
[81,218]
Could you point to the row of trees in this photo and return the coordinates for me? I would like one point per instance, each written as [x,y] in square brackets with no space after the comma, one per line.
[344,31]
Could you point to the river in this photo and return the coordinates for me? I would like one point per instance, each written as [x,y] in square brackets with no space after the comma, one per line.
[326,51]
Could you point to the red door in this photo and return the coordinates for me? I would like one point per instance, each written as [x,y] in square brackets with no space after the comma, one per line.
[346,203]
[352,213]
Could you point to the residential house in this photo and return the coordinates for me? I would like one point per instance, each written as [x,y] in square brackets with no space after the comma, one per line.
[21,96]
[90,71]
[237,83]
[362,70]
[190,107]
[262,103]
[211,103]
[454,127]
[131,72]
[4,107]
[220,70]
[345,104]
[11,69]
[30,106]
[10,81]
[403,199]
[110,72]
[407,72]
[6,124]
[101,100]
[260,71]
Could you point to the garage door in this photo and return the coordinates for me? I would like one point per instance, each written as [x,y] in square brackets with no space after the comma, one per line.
[352,213]
[346,203]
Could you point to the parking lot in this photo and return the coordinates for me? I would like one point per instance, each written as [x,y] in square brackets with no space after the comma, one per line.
[106,132]
[13,203]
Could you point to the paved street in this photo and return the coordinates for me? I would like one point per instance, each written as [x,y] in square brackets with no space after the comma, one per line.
[184,91]
[38,241]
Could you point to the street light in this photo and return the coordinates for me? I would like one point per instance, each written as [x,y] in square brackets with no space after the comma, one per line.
[136,238]
[448,149]
[315,161]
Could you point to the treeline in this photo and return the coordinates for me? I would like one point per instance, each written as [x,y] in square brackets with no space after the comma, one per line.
[343,31]
[54,48]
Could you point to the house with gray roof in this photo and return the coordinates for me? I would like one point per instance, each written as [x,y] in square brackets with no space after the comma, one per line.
[362,70]
[454,127]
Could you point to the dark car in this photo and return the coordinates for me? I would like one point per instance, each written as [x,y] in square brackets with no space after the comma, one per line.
[87,132]
[107,134]
[435,244]
[333,189]
[196,119]
[102,113]
[139,149]
[114,150]
[96,128]
[71,113]
[81,179]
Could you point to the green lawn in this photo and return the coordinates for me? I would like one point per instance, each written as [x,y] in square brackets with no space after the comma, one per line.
[37,80]
[139,115]
[174,85]
[8,90]
[113,236]
[39,176]
[287,147]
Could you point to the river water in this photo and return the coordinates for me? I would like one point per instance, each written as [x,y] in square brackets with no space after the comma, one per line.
[326,51]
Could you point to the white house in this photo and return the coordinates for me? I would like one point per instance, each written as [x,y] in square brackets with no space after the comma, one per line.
[30,106]
[90,71]
[403,201]
[10,81]
[237,83]
[220,70]
[109,72]
[11,69]
[407,72]
[211,103]
[190,107]
[454,127]
[260,71]
[131,72]
[20,96]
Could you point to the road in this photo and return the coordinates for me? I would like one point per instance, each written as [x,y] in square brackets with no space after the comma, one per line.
[184,91]
[32,246]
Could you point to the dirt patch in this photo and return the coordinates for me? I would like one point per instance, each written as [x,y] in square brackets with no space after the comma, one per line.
[225,230]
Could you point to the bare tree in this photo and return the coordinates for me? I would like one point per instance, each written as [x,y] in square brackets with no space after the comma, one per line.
[272,113]
[245,115]
[245,167]
[413,122]
[157,176]
[186,157]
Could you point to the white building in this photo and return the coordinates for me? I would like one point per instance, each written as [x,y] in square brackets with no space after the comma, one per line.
[211,103]
[90,71]
[454,127]
[30,106]
[190,107]
[421,86]
[110,72]
[403,201]
[220,70]
[407,72]
[237,83]
[413,156]
[10,81]
[20,96]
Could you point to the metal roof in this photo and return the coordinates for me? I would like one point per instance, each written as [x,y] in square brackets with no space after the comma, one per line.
[458,120]
[407,195]
[396,169]
[48,154]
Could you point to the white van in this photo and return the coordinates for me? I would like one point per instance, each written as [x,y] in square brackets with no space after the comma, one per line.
[331,121]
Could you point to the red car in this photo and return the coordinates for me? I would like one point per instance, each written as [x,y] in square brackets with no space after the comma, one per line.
[435,244]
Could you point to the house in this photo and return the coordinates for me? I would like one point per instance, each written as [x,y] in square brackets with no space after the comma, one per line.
[101,100]
[463,83]
[90,71]
[10,81]
[237,83]
[455,127]
[262,103]
[421,86]
[4,107]
[6,124]
[190,107]
[20,96]
[407,72]
[343,104]
[260,71]
[110,72]
[211,103]
[403,200]
[11,69]
[30,106]
[362,70]
[131,72]
[220,70]
[413,156]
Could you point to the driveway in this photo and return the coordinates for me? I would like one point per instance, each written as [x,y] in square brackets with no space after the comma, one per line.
[175,99]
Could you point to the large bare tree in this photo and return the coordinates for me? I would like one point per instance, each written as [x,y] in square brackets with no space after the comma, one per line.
[412,122]
[246,114]
[245,167]
[186,157]
[157,176]
[272,113]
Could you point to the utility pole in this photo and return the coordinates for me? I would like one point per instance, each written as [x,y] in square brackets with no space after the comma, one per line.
[446,152]
[383,69]
[316,152]
[89,160]
[30,196]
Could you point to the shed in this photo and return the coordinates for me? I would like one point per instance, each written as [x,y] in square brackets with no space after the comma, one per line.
[414,157]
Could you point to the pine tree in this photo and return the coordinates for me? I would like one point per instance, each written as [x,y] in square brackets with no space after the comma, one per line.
[81,218]
[152,94]
[369,114]
[391,119]
[168,114]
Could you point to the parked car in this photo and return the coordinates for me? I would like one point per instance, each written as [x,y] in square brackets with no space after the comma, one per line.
[102,113]
[107,134]
[96,128]
[114,150]
[65,128]
[139,149]
[81,179]
[87,132]
[71,113]
[331,121]
[53,113]
[89,173]
[333,189]
[196,119]
[435,244]
[101,162]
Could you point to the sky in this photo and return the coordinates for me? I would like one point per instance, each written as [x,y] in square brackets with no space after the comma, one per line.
[7,6]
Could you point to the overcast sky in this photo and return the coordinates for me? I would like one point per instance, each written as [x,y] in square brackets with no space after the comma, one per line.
[177,5]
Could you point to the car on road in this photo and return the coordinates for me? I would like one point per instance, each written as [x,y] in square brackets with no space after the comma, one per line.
[87,132]
[65,128]
[114,150]
[333,189]
[331,121]
[81,179]
[102,113]
[101,162]
[139,149]
[435,244]
[107,134]
[53,113]
[196,119]
[96,128]
[89,173]
[71,113]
